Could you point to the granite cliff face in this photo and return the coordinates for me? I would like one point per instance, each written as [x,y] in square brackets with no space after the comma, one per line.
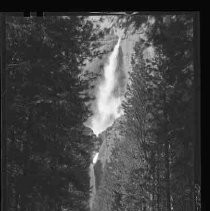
[110,139]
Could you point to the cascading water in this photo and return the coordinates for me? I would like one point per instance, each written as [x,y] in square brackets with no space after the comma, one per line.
[107,106]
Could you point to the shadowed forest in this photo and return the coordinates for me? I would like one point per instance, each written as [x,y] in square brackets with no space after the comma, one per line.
[149,152]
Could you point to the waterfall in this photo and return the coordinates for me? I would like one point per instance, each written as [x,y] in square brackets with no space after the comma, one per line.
[107,102]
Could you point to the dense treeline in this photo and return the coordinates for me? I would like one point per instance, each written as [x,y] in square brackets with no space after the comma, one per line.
[48,155]
[155,162]
[160,113]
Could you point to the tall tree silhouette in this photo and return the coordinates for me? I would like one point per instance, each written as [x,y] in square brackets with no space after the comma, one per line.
[161,113]
[48,154]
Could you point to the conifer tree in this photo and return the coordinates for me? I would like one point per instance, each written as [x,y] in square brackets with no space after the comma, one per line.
[48,154]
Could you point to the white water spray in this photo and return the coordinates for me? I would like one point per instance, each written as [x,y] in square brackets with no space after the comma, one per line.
[95,158]
[108,105]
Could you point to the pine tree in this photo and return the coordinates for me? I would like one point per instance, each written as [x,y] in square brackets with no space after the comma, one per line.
[48,154]
[168,84]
